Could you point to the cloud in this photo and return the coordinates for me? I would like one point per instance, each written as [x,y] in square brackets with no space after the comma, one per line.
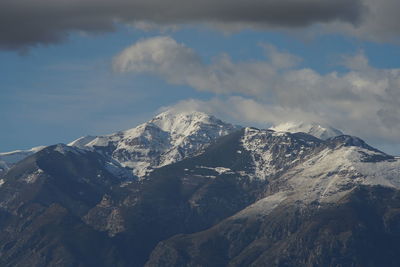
[241,110]
[162,55]
[379,22]
[179,64]
[26,23]
[363,100]
[278,59]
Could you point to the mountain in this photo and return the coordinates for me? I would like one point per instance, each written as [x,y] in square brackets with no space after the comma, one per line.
[336,206]
[227,196]
[167,138]
[64,189]
[314,129]
[42,200]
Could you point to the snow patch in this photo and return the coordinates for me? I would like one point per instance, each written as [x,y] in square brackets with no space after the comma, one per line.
[32,178]
[223,170]
[219,170]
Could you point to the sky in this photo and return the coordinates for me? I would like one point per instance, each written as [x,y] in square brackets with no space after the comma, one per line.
[71,68]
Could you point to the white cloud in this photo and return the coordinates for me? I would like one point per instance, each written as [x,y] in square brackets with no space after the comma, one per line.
[364,100]
[161,55]
[279,59]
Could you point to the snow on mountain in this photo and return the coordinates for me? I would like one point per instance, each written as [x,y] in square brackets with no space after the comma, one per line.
[8,159]
[333,173]
[315,129]
[273,152]
[324,176]
[167,138]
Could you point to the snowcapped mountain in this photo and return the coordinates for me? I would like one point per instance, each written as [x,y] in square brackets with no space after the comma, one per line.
[213,194]
[167,138]
[314,129]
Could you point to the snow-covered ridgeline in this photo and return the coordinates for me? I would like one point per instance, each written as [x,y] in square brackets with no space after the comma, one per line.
[326,177]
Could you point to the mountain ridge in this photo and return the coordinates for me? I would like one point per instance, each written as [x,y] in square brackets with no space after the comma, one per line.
[170,136]
[228,203]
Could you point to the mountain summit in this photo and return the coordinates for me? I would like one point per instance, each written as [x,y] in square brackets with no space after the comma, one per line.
[167,138]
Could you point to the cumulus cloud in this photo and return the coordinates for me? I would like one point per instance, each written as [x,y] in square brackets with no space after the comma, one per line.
[363,100]
[162,55]
[179,64]
[25,23]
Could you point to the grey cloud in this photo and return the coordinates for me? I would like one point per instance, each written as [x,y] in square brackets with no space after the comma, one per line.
[25,23]
[379,23]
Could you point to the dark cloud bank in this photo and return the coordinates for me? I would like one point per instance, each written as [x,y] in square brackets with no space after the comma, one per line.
[25,23]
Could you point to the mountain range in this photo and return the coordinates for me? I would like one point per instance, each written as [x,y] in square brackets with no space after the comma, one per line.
[187,189]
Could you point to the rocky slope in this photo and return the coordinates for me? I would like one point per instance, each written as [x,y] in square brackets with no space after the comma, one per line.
[42,200]
[360,229]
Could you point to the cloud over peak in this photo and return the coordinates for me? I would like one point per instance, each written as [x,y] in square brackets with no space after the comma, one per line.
[364,100]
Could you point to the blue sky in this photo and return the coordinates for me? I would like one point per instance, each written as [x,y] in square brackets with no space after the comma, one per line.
[57,91]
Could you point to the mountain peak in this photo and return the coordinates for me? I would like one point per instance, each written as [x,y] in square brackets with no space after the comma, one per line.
[167,138]
[173,113]
[318,130]
[174,121]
